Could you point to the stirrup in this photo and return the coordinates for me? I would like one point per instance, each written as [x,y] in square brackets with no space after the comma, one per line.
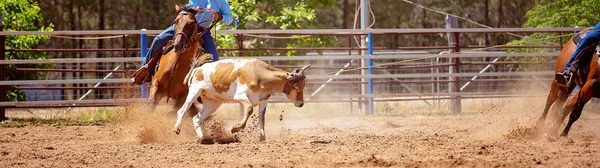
[562,80]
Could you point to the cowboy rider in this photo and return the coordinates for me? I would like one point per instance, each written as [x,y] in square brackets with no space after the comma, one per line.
[220,6]
[565,78]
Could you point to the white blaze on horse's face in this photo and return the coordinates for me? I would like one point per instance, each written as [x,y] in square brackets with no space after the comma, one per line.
[185,27]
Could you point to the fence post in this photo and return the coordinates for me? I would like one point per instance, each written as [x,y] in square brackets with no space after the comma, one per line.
[240,43]
[143,51]
[364,23]
[454,86]
[370,72]
[2,73]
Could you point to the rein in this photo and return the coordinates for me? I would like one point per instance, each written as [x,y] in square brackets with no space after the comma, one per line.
[177,60]
[186,39]
[198,35]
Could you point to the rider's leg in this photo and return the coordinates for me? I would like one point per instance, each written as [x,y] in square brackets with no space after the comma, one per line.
[210,46]
[592,37]
[158,42]
[141,75]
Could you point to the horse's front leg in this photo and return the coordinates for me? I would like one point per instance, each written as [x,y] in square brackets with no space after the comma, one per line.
[154,97]
[552,96]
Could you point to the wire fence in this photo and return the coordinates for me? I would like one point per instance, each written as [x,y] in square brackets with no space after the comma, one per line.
[81,75]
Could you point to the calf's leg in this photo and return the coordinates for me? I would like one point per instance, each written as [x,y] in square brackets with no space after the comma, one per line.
[242,124]
[261,120]
[208,107]
[191,97]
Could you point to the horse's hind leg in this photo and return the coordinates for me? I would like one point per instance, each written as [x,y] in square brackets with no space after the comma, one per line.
[577,103]
[552,96]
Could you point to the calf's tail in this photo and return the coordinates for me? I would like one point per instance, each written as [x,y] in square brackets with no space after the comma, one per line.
[197,62]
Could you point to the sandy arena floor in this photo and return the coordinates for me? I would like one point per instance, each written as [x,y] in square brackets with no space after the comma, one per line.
[321,135]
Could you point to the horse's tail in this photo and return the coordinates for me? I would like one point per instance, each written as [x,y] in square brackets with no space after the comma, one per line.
[197,62]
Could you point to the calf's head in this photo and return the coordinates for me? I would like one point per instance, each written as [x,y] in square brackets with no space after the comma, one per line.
[294,86]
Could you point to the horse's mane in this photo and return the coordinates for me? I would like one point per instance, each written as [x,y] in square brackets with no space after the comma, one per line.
[187,8]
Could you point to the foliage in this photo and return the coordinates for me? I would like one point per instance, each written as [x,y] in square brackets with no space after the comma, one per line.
[102,114]
[553,13]
[310,42]
[274,14]
[37,122]
[23,15]
[564,13]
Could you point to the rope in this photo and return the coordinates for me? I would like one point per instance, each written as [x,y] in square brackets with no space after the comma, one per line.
[428,57]
[87,38]
[275,37]
[433,55]
[463,18]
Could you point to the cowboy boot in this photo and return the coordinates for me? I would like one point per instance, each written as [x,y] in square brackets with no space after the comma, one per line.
[144,74]
[140,75]
[565,79]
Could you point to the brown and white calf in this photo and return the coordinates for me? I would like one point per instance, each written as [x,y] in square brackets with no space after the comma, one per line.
[248,81]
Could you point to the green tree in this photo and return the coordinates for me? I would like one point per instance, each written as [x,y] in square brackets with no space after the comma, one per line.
[559,13]
[555,13]
[275,14]
[23,15]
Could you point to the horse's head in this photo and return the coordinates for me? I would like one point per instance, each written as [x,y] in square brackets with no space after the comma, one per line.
[186,27]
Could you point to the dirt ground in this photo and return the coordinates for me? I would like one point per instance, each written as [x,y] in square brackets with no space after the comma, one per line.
[490,133]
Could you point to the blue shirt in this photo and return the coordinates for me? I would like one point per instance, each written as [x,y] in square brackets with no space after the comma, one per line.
[597,27]
[221,6]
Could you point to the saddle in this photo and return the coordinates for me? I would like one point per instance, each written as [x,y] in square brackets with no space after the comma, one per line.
[145,73]
[577,38]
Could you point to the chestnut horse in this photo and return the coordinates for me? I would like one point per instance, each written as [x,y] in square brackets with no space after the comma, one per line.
[174,65]
[586,78]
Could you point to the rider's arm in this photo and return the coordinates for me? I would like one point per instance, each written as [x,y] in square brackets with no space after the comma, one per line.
[597,27]
[225,11]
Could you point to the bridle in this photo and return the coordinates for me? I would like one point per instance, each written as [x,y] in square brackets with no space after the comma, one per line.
[187,41]
[183,34]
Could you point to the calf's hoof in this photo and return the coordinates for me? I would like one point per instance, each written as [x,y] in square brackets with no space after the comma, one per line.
[205,141]
[177,130]
[563,135]
[236,129]
[262,139]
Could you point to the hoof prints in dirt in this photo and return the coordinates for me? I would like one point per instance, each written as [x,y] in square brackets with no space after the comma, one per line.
[521,133]
[251,133]
[371,161]
[217,133]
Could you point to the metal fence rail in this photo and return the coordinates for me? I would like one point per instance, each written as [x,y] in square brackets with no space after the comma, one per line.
[397,75]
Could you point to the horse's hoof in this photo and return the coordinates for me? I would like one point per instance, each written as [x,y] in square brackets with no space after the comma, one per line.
[539,126]
[177,131]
